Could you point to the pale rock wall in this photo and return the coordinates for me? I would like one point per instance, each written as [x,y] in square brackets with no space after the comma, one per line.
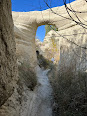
[26,24]
[69,43]
[71,47]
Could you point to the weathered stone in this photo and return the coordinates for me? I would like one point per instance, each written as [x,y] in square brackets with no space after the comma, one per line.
[21,100]
[26,24]
[7,52]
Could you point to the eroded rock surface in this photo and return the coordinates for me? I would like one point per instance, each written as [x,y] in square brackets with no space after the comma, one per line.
[26,24]
[8,69]
[19,101]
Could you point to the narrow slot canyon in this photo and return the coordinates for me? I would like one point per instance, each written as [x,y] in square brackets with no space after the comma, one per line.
[43,58]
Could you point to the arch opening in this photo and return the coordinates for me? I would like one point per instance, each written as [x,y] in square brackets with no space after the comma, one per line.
[48,46]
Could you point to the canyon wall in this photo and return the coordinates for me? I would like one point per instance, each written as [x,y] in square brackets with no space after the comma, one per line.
[8,69]
[26,24]
[17,99]
[66,46]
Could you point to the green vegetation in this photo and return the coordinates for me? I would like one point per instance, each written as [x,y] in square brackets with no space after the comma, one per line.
[27,75]
[50,27]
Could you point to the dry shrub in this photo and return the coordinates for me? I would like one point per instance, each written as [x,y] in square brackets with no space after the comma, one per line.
[27,75]
[70,91]
[43,62]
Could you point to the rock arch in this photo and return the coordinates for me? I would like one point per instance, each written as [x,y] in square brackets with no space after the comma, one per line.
[26,24]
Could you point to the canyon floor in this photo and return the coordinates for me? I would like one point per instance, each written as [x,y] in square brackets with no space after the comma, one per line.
[42,105]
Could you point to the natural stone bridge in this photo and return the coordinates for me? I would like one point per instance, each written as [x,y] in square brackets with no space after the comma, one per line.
[26,24]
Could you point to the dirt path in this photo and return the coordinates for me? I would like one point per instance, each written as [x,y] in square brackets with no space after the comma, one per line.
[42,105]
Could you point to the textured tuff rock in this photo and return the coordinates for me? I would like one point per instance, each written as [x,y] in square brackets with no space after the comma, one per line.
[50,46]
[19,101]
[26,24]
[66,46]
[7,52]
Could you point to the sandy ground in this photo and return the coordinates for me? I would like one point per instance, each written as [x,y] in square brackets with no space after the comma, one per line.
[42,103]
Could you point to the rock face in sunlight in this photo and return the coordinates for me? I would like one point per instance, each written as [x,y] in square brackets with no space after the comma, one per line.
[16,99]
[26,24]
[64,50]
[50,46]
[8,68]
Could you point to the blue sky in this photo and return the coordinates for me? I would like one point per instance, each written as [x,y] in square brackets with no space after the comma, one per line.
[33,5]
